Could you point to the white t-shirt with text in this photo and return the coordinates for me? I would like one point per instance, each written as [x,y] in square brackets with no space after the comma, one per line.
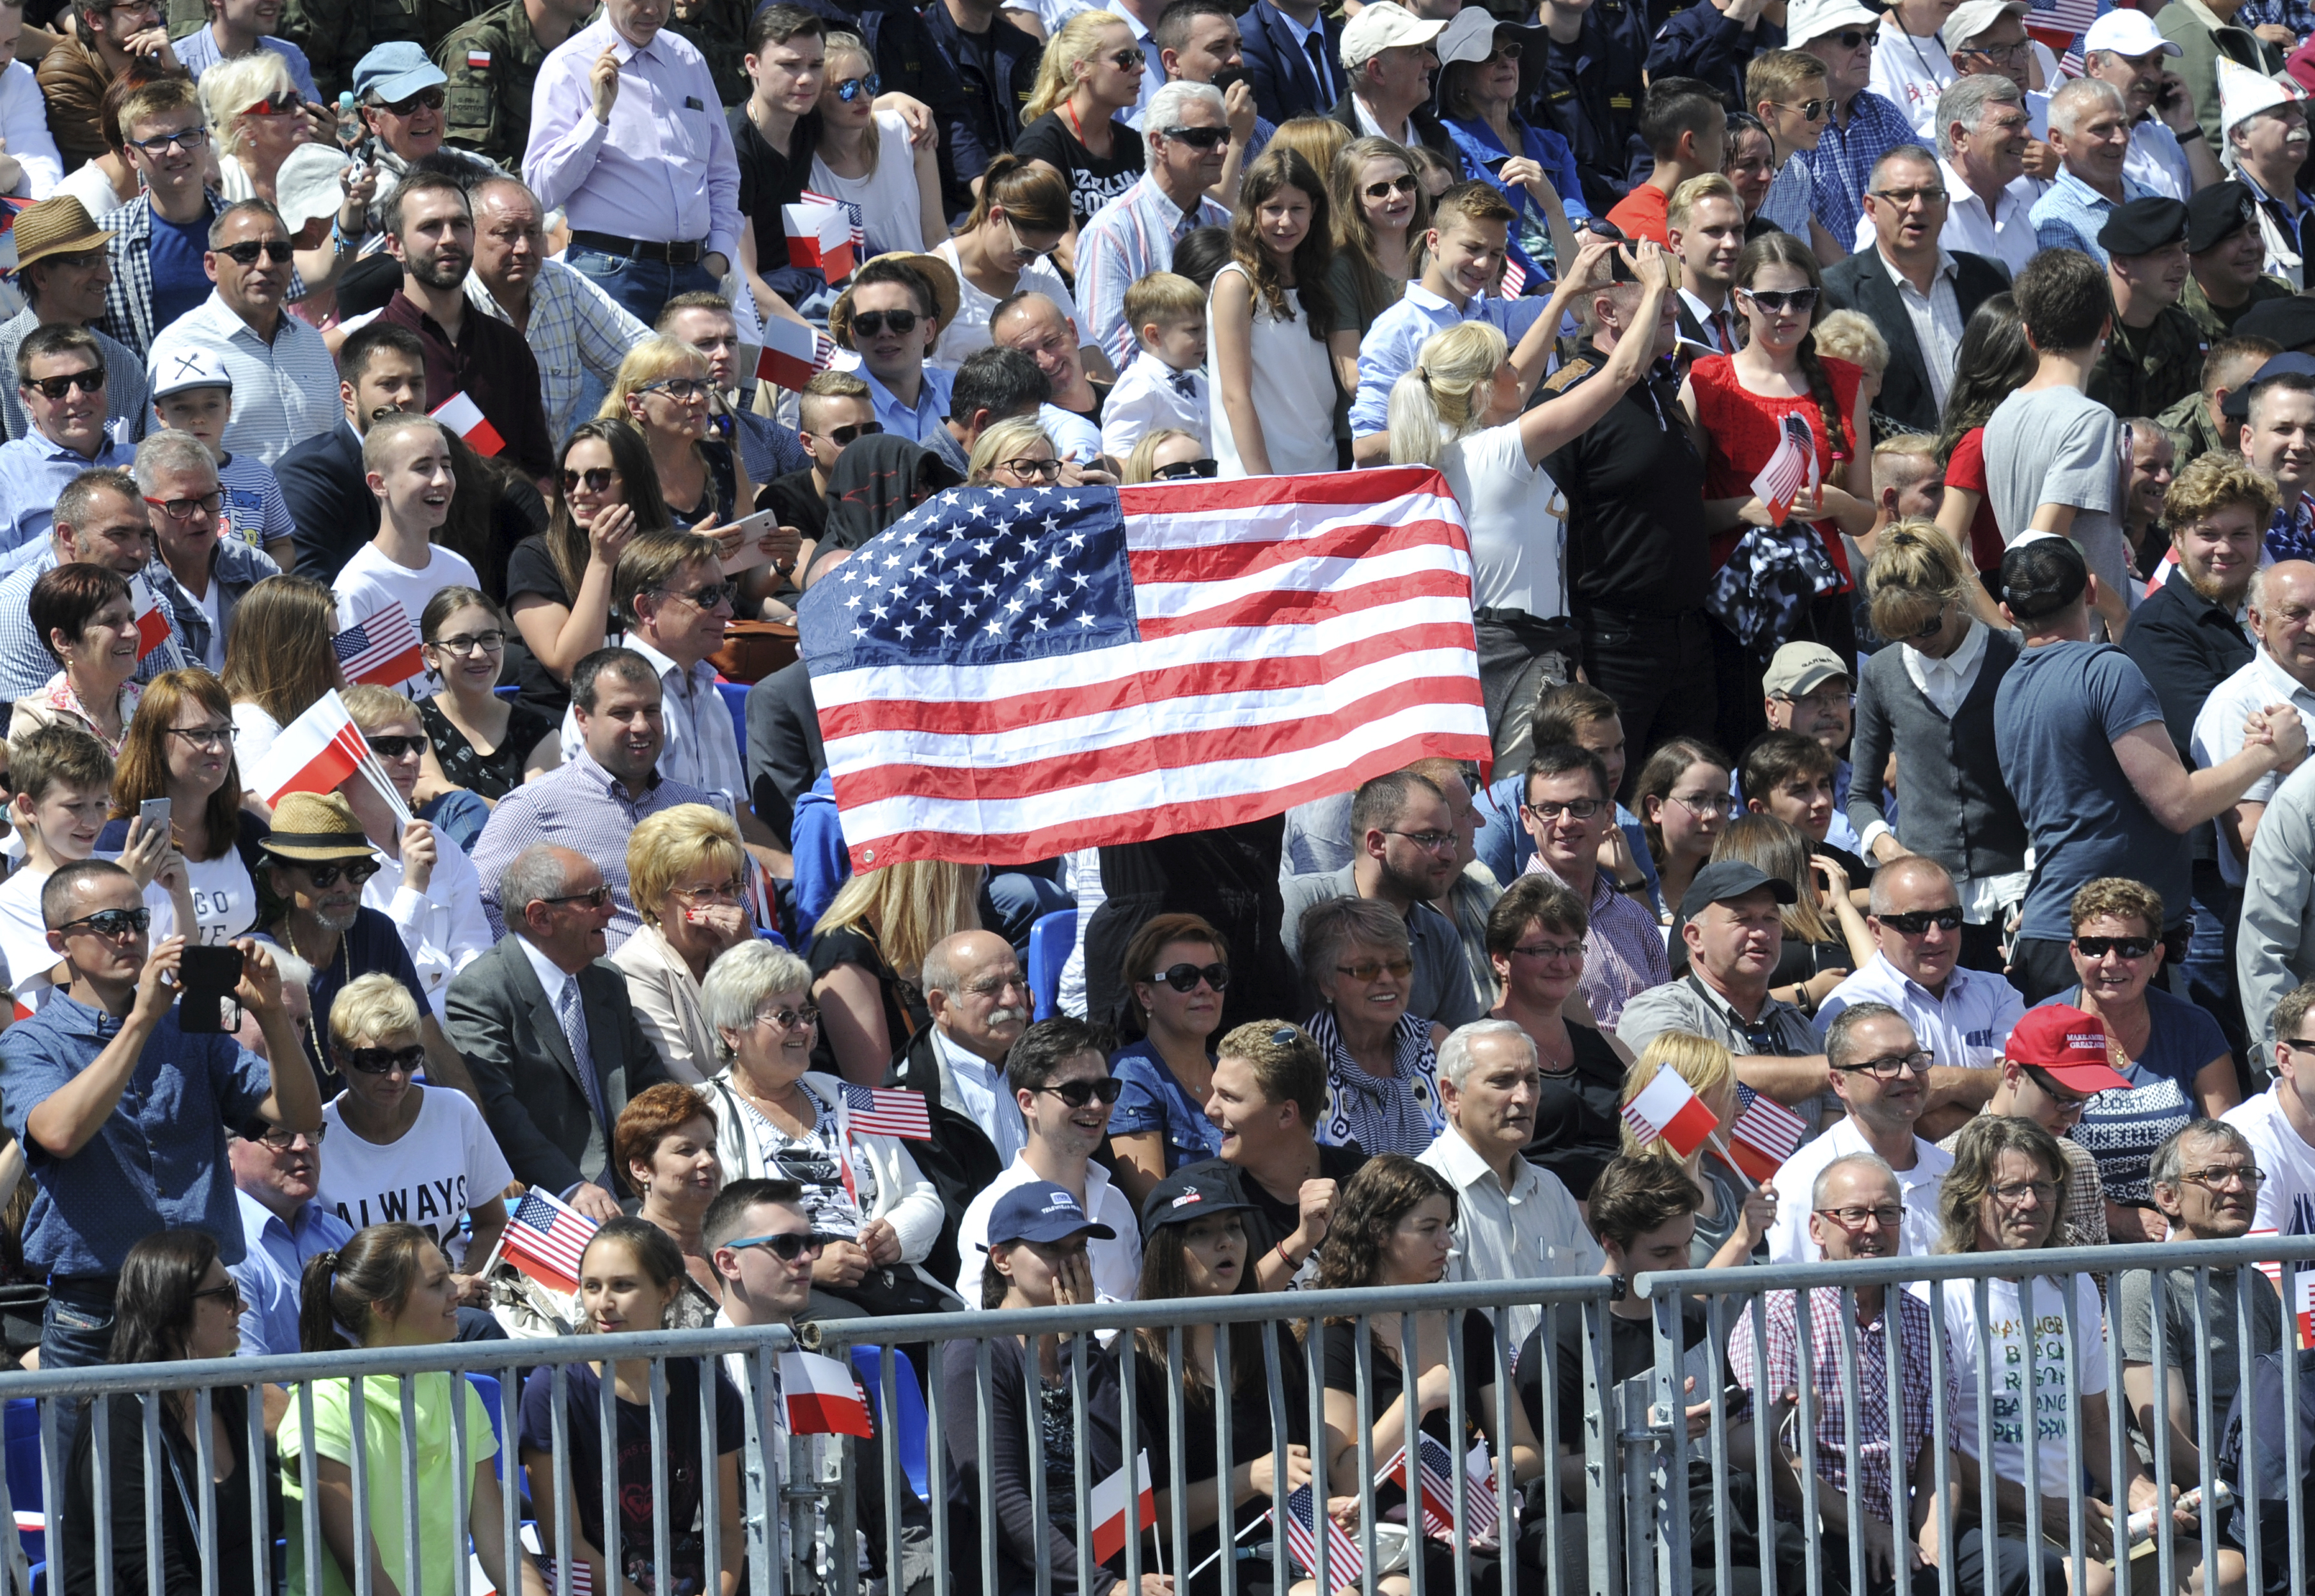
[445,1164]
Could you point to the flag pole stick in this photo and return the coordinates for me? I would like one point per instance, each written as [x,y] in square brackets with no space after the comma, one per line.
[1234,1539]
[384,783]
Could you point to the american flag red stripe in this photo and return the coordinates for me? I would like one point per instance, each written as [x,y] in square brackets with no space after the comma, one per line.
[1764,1135]
[1437,1478]
[876,1112]
[381,648]
[1345,1565]
[1237,647]
[1791,468]
[546,1238]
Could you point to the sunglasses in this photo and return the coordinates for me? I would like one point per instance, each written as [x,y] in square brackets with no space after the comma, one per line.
[1077,1094]
[597,480]
[869,323]
[228,1293]
[271,107]
[1404,184]
[788,1019]
[1397,969]
[1812,111]
[1128,60]
[383,1060]
[53,388]
[852,88]
[706,598]
[325,876]
[396,747]
[431,99]
[593,898]
[1921,919]
[683,390]
[1205,138]
[112,922]
[1775,303]
[787,1247]
[1184,977]
[843,437]
[1850,38]
[2129,947]
[246,253]
[1185,470]
[1507,49]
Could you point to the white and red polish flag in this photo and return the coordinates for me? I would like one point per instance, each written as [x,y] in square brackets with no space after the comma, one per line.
[463,416]
[1667,1107]
[152,620]
[1124,1495]
[315,753]
[793,352]
[819,235]
[822,1396]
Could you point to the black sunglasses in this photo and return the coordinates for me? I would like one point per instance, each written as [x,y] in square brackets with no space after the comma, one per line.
[90,380]
[1184,977]
[1921,919]
[1185,470]
[1077,1094]
[1402,184]
[593,898]
[245,252]
[112,922]
[1205,138]
[383,1061]
[868,323]
[597,480]
[843,437]
[325,876]
[395,747]
[431,99]
[1776,302]
[2129,947]
[787,1247]
[706,598]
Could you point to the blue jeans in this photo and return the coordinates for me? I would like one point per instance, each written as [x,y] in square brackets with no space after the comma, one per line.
[1021,900]
[642,287]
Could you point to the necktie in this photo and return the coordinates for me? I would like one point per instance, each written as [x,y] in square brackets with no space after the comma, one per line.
[570,1013]
[1184,384]
[1315,43]
[1724,331]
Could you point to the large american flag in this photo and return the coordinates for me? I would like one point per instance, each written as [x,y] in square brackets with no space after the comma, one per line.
[1008,674]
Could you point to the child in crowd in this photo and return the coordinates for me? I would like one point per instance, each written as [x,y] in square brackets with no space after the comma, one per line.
[195,394]
[1166,384]
[62,782]
[1686,132]
[387,584]
[1789,92]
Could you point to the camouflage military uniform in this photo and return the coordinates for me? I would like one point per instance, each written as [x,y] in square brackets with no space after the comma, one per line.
[2191,436]
[2146,370]
[2218,324]
[491,62]
[334,34]
[428,21]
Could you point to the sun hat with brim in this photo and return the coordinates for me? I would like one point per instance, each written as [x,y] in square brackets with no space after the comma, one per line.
[1807,20]
[938,275]
[58,226]
[315,828]
[307,187]
[1471,36]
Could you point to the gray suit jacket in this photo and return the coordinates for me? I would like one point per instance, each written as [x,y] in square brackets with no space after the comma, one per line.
[498,1016]
[2275,945]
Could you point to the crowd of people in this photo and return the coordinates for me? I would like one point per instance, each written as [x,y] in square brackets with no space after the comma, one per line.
[1887,454]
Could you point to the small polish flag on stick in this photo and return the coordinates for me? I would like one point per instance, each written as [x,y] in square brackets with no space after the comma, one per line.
[819,235]
[463,416]
[152,620]
[1792,467]
[315,753]
[793,352]
[1666,1107]
[822,1396]
[2304,1310]
[851,214]
[1113,1499]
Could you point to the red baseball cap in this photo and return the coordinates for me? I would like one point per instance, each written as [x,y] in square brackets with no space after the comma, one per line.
[2069,1045]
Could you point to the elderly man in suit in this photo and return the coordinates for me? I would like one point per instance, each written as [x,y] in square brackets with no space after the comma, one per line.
[1919,293]
[545,1023]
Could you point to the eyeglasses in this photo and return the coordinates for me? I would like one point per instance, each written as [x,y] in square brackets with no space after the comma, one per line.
[597,479]
[1850,38]
[271,107]
[1919,920]
[1890,1066]
[471,643]
[1775,303]
[396,747]
[431,99]
[2219,1177]
[843,437]
[1506,50]
[1128,59]
[111,923]
[206,737]
[869,323]
[2128,947]
[228,1293]
[2007,54]
[1368,970]
[2016,1193]
[1046,470]
[1812,111]
[76,260]
[788,1019]
[683,390]
[852,88]
[325,876]
[88,380]
[278,1139]
[2299,1044]
[1550,950]
[727,891]
[383,1060]
[1710,806]
[1581,809]
[1205,138]
[1855,1218]
[706,598]
[597,897]
[1184,977]
[1903,198]
[187,139]
[1185,470]
[203,509]
[2061,1099]
[1077,1094]
[786,1246]
[1430,842]
[1404,184]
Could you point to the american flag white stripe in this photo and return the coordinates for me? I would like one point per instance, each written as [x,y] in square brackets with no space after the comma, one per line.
[876,1112]
[1763,1122]
[383,637]
[1793,465]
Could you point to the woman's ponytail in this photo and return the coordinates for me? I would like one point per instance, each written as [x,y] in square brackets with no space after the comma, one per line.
[1444,397]
[317,1320]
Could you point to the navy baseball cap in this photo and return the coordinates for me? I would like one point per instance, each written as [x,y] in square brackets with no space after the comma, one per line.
[1190,1193]
[1042,1211]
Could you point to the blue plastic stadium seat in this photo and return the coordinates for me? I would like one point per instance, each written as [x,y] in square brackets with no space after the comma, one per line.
[486,1387]
[912,1430]
[1051,940]
[23,1464]
[735,699]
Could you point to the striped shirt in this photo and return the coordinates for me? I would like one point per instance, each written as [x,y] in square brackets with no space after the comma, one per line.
[2071,215]
[1128,238]
[1623,948]
[285,391]
[575,332]
[1399,1115]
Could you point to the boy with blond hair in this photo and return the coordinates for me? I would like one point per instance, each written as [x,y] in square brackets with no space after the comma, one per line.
[1165,385]
[1784,87]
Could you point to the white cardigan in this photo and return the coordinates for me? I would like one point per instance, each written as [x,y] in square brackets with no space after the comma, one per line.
[904,1197]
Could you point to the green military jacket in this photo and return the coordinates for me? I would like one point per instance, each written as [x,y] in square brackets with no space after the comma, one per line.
[2192,435]
[491,62]
[2145,371]
[2217,323]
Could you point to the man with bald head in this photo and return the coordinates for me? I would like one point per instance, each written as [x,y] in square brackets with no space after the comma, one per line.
[1049,335]
[544,1023]
[2281,602]
[979,1000]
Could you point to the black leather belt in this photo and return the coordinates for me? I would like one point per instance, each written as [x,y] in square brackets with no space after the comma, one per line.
[687,252]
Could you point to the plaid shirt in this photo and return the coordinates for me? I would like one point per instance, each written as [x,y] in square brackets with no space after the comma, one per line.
[702,749]
[128,301]
[1842,162]
[2294,15]
[2070,216]
[1831,1437]
[1130,237]
[575,331]
[1623,948]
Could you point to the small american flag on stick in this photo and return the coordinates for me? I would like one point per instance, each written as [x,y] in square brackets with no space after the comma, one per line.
[1764,1135]
[1792,468]
[870,1110]
[381,648]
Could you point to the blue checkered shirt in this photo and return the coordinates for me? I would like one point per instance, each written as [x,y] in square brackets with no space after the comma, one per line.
[576,330]
[2070,216]
[2294,15]
[128,301]
[1842,162]
[25,663]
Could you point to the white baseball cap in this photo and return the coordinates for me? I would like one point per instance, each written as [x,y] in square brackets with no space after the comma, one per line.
[1386,25]
[2127,33]
[1814,19]
[1974,17]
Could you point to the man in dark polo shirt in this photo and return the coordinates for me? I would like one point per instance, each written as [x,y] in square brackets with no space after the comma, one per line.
[431,229]
[1637,553]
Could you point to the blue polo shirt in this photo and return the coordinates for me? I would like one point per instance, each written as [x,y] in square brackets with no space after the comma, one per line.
[271,1272]
[931,408]
[158,1161]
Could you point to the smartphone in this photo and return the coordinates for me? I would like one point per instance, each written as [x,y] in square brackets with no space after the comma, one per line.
[206,979]
[1230,77]
[154,813]
[751,529]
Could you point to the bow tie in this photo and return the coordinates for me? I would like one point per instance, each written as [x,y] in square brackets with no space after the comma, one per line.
[1186,382]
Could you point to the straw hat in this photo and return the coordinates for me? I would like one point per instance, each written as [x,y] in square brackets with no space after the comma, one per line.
[316,829]
[937,273]
[60,226]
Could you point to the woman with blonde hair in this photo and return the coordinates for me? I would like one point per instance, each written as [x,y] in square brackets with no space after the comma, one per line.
[864,158]
[1736,1216]
[278,658]
[664,387]
[255,111]
[1167,455]
[869,953]
[1018,453]
[1267,319]
[1091,70]
[689,877]
[1019,218]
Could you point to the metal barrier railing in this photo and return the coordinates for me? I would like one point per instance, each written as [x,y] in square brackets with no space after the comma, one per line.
[1593,1497]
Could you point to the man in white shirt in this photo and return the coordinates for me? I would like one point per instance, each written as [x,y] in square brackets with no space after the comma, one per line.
[1961,1016]
[1983,133]
[2281,602]
[2280,1122]
[1060,1082]
[1387,55]
[1513,1219]
[2167,151]
[387,584]
[1881,1074]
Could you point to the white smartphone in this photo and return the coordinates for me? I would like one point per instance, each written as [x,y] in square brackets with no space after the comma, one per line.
[751,529]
